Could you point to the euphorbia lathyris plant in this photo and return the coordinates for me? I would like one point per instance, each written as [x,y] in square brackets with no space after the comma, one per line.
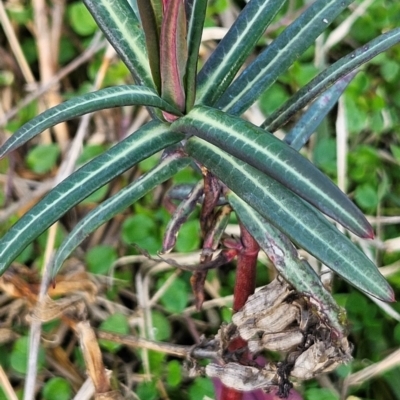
[278,195]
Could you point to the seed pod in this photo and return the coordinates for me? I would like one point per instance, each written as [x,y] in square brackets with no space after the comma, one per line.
[266,298]
[243,377]
[279,318]
[271,321]
[319,358]
[282,341]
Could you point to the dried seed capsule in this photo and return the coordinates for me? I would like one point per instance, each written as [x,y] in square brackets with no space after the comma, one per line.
[243,377]
[265,299]
[319,358]
[282,341]
[279,318]
[270,321]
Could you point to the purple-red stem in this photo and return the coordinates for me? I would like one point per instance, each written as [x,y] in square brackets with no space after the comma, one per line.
[244,287]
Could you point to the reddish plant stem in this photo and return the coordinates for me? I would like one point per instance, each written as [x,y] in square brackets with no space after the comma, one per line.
[244,287]
[246,270]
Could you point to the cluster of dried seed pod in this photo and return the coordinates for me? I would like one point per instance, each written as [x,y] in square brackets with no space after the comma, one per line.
[268,321]
[277,318]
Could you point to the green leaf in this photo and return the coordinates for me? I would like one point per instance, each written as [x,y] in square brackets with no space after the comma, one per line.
[151,17]
[324,155]
[302,72]
[275,158]
[80,19]
[188,237]
[301,223]
[395,151]
[3,395]
[273,98]
[116,96]
[146,141]
[138,227]
[89,152]
[233,50]
[312,118]
[116,204]
[297,271]
[161,327]
[99,259]
[324,80]
[196,10]
[175,298]
[19,355]
[156,362]
[320,394]
[201,388]
[174,373]
[123,30]
[280,55]
[43,158]
[390,71]
[147,391]
[367,196]
[149,163]
[356,115]
[116,323]
[96,196]
[57,389]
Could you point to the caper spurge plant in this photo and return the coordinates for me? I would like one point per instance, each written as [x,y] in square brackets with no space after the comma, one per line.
[278,195]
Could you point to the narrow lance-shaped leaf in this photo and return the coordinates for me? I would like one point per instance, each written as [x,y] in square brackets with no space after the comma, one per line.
[233,50]
[173,53]
[312,118]
[301,223]
[325,79]
[298,272]
[280,55]
[196,12]
[151,17]
[146,141]
[168,167]
[123,30]
[116,96]
[275,158]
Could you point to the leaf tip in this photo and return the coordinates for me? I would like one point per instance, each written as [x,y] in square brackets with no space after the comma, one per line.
[369,233]
[365,230]
[388,297]
[391,296]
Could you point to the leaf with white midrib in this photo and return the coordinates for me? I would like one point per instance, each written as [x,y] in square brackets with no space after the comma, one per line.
[123,30]
[196,10]
[117,204]
[275,158]
[148,140]
[280,55]
[314,115]
[232,51]
[326,78]
[301,223]
[116,96]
